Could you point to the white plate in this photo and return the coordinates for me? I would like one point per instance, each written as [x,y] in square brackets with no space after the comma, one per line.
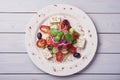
[77,18]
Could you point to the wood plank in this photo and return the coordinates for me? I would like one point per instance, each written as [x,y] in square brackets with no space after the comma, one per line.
[21,63]
[12,43]
[105,23]
[90,6]
[14,22]
[48,77]
[108,43]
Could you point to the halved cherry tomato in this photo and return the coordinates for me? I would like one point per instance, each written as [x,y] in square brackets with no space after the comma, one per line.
[59,56]
[45,29]
[41,43]
[75,35]
[65,24]
[72,49]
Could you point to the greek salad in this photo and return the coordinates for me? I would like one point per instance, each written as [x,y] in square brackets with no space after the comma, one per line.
[61,40]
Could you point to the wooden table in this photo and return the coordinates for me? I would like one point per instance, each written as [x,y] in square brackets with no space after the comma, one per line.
[14,61]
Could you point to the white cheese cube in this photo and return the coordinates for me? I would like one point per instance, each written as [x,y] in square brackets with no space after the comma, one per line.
[80,43]
[46,53]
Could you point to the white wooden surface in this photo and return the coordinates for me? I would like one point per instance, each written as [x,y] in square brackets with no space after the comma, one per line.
[16,22]
[14,61]
[21,63]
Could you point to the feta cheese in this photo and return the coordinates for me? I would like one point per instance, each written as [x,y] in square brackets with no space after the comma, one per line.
[46,53]
[80,43]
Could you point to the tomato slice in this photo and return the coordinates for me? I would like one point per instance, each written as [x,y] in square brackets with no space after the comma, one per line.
[72,49]
[45,29]
[41,43]
[59,56]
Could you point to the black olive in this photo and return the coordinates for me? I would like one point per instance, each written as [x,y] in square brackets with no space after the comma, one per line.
[65,22]
[39,35]
[77,55]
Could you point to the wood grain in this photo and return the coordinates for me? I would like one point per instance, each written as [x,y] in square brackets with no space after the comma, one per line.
[105,23]
[15,63]
[108,43]
[48,77]
[89,6]
[21,63]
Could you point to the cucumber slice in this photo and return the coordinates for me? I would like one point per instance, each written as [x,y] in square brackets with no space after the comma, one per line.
[55,50]
[64,51]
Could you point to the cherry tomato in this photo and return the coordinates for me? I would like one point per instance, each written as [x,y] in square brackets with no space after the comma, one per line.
[65,24]
[45,29]
[72,49]
[59,56]
[41,43]
[75,35]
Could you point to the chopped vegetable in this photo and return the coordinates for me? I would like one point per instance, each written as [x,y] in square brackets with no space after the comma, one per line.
[50,48]
[71,31]
[64,51]
[72,49]
[53,31]
[57,38]
[45,29]
[68,37]
[75,35]
[74,41]
[55,50]
[41,43]
[53,26]
[55,23]
[60,34]
[50,41]
[59,56]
